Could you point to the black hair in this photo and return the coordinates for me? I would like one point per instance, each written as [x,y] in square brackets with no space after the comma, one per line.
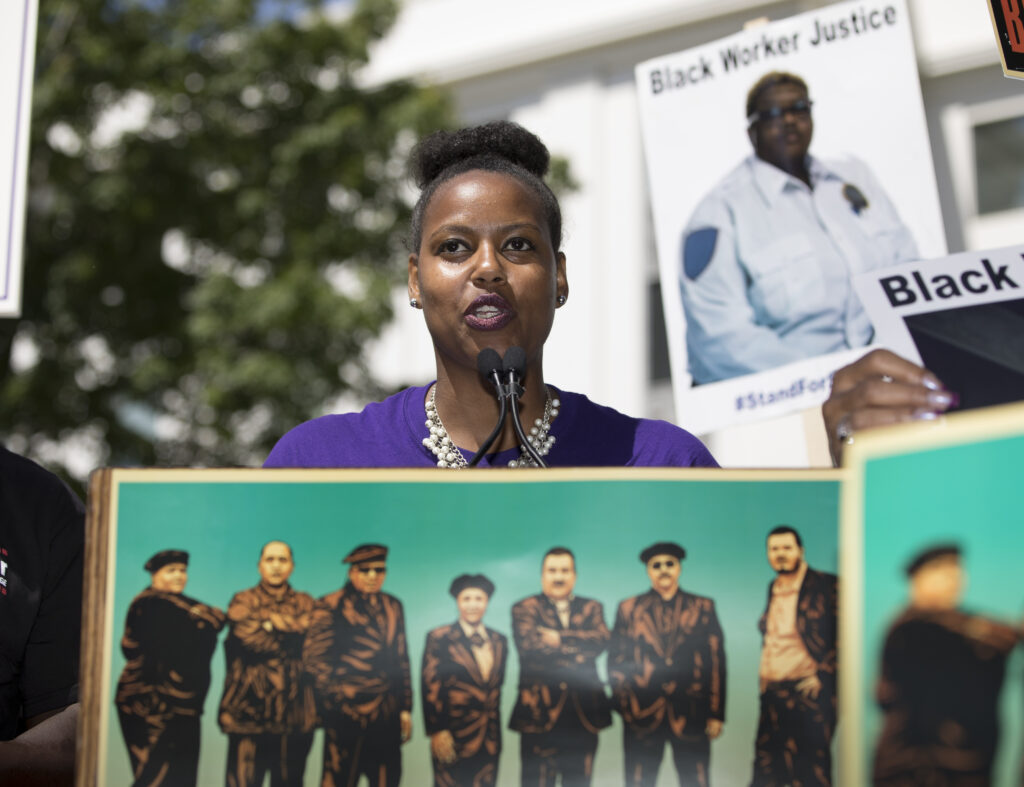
[934,552]
[782,530]
[560,551]
[500,146]
[770,80]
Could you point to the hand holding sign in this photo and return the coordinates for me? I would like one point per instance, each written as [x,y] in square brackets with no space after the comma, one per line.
[880,389]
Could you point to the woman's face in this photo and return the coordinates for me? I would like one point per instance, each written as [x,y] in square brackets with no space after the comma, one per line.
[486,273]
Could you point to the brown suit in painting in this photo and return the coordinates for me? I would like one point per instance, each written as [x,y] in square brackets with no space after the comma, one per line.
[168,641]
[941,676]
[561,704]
[666,663]
[794,733]
[356,652]
[267,708]
[458,698]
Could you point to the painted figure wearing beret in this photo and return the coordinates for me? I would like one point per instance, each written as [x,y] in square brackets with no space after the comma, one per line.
[463,671]
[168,641]
[941,674]
[666,663]
[357,654]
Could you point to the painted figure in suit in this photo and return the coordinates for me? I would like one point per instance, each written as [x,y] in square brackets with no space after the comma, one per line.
[561,704]
[357,654]
[463,670]
[168,641]
[666,663]
[941,674]
[797,670]
[267,709]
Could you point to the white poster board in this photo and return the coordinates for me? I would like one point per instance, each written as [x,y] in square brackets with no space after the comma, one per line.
[858,62]
[17,51]
[961,316]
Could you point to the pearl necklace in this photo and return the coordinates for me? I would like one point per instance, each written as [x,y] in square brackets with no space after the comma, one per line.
[449,455]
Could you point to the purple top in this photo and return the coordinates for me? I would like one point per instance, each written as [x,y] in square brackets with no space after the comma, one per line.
[390,434]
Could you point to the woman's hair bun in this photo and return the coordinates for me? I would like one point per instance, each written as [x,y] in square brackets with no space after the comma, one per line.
[500,139]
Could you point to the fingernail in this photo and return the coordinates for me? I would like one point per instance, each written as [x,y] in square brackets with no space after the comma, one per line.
[924,415]
[931,382]
[942,399]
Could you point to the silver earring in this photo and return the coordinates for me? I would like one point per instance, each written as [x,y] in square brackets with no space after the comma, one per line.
[561,300]
[414,303]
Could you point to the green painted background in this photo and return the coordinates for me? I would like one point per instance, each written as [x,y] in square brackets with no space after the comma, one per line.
[971,494]
[438,530]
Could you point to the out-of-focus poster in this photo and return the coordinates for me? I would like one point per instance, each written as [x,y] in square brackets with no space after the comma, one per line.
[782,161]
[17,49]
[932,604]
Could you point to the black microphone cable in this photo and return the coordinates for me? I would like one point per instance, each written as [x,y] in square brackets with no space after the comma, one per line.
[514,365]
[489,364]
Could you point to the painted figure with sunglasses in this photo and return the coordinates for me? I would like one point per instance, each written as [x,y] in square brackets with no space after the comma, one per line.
[768,255]
[666,663]
[797,669]
[357,653]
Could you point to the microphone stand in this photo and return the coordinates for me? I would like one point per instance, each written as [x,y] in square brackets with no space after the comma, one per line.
[489,364]
[514,363]
[508,392]
[502,412]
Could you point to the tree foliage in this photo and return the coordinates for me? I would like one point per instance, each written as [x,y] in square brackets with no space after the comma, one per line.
[216,215]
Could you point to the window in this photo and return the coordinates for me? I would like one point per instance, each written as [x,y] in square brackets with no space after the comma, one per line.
[999,164]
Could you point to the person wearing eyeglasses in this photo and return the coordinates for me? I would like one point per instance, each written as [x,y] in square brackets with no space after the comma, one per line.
[797,669]
[768,255]
[357,654]
[666,664]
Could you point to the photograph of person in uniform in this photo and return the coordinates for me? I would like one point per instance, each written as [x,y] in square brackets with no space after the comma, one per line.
[267,708]
[561,703]
[357,654]
[768,254]
[463,671]
[168,641]
[797,670]
[942,670]
[666,663]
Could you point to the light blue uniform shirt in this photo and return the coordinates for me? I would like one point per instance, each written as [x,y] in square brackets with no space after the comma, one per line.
[767,265]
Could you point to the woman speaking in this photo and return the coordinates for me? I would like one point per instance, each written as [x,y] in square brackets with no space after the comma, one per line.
[485,267]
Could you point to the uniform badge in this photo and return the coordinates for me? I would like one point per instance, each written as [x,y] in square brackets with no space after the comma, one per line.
[855,197]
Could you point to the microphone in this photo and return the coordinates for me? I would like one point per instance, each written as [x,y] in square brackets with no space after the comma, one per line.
[489,364]
[514,365]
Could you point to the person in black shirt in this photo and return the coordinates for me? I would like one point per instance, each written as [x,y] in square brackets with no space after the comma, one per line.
[41,539]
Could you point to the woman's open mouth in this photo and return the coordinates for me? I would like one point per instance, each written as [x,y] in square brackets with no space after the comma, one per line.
[489,313]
